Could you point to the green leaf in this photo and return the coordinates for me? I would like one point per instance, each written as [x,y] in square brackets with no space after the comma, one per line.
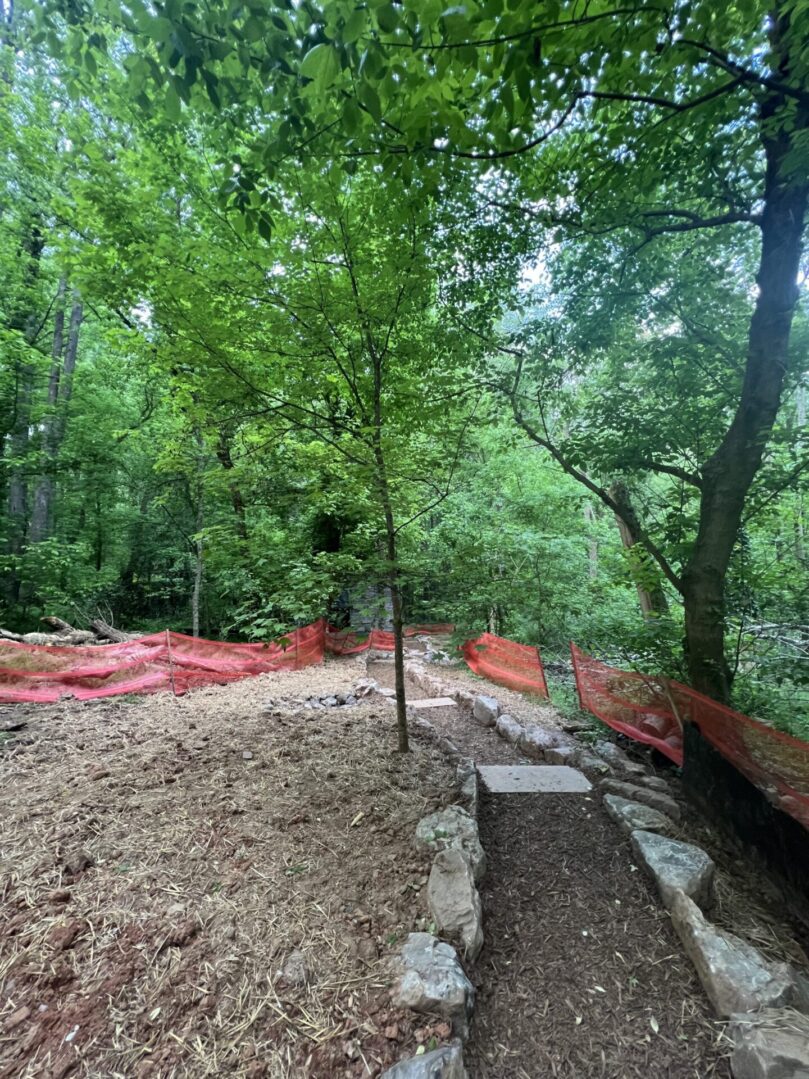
[388,18]
[321,64]
[173,104]
[356,23]
[370,99]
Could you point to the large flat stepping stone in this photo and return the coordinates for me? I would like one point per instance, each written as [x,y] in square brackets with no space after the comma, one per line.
[434,702]
[533,779]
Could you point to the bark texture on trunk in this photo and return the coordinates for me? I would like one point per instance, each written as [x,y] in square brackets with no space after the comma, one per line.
[653,602]
[63,363]
[236,497]
[196,592]
[24,321]
[396,601]
[729,472]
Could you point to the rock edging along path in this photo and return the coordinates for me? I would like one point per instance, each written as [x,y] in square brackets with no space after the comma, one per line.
[737,979]
[428,972]
[580,974]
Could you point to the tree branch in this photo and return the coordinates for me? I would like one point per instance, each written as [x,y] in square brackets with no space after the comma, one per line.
[673,470]
[584,479]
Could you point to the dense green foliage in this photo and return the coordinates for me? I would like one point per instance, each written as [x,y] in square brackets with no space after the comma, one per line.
[394,294]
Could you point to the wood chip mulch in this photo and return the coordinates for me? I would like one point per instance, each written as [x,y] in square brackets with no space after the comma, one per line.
[581,975]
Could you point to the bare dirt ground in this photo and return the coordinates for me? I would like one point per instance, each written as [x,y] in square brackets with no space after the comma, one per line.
[202,887]
[172,869]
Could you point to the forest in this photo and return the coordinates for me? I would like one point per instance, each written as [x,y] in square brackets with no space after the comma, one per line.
[491,314]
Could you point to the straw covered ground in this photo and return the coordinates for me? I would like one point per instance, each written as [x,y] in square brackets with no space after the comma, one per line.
[204,887]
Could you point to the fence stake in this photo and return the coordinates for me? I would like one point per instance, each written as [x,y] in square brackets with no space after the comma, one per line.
[171,666]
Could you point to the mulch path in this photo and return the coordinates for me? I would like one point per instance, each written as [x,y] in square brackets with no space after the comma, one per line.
[475,741]
[581,974]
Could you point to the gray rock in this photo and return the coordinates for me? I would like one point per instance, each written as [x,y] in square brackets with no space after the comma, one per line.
[734,974]
[464,698]
[351,699]
[800,999]
[434,686]
[510,729]
[664,803]
[562,755]
[616,757]
[444,1063]
[471,794]
[772,1044]
[340,697]
[633,816]
[675,867]
[465,768]
[329,702]
[452,828]
[535,741]
[295,970]
[590,762]
[454,900]
[656,783]
[365,687]
[247,755]
[485,710]
[431,979]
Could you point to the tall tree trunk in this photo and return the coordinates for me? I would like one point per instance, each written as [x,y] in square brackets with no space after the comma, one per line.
[60,389]
[653,602]
[24,321]
[236,497]
[729,472]
[197,590]
[800,527]
[592,543]
[198,540]
[392,559]
[43,492]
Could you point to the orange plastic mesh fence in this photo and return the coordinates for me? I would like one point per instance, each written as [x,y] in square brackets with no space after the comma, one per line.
[515,666]
[652,710]
[776,763]
[160,661]
[634,704]
[170,661]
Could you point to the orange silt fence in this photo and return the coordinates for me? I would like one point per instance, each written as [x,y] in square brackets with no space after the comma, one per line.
[173,661]
[515,666]
[634,704]
[654,709]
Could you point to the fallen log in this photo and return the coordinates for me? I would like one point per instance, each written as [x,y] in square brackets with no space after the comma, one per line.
[58,625]
[75,637]
[110,633]
[100,633]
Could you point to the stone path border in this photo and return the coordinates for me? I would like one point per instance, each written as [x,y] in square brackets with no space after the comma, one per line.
[767,1002]
[428,973]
